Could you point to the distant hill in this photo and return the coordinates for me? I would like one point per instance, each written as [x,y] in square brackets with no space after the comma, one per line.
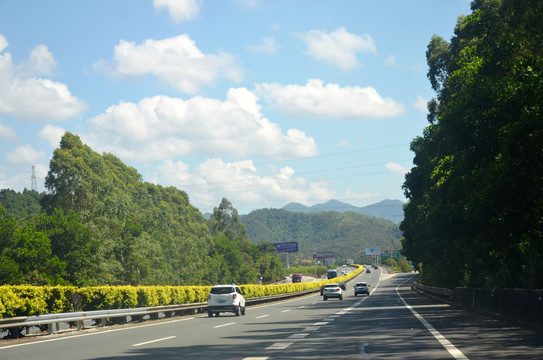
[387,209]
[345,234]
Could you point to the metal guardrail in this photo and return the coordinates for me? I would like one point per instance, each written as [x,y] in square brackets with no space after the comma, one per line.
[53,321]
[442,293]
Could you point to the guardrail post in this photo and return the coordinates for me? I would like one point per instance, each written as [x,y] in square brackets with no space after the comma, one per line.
[51,328]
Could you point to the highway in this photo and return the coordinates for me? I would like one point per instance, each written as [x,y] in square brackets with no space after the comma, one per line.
[394,322]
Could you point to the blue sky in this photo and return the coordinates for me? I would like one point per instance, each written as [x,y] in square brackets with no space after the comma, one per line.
[262,102]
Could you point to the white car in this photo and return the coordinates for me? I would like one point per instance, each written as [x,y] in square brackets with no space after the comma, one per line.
[332,290]
[225,298]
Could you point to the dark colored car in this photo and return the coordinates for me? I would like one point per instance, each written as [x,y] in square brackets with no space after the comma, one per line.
[361,288]
[296,278]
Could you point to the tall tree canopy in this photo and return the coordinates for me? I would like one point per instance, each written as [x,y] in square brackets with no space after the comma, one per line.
[475,195]
[103,225]
[147,234]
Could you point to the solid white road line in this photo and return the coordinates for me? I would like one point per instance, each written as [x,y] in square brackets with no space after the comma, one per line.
[457,354]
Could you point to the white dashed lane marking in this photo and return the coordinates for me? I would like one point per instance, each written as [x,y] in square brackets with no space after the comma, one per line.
[279,346]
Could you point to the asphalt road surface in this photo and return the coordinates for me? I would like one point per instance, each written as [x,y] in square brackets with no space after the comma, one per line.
[394,322]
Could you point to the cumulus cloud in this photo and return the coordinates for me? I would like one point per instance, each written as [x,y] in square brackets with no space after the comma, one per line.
[163,127]
[338,48]
[175,61]
[179,10]
[7,132]
[214,179]
[421,104]
[29,98]
[396,168]
[25,155]
[249,3]
[391,61]
[52,134]
[344,143]
[328,101]
[267,45]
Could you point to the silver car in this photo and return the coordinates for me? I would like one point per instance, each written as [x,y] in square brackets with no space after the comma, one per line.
[332,290]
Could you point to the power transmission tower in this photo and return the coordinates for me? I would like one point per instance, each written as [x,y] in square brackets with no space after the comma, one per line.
[34,185]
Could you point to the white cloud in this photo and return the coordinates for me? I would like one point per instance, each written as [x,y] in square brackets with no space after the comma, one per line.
[40,62]
[338,48]
[162,127]
[52,134]
[3,42]
[7,132]
[330,101]
[175,61]
[25,155]
[249,3]
[31,98]
[266,46]
[179,10]
[396,168]
[421,104]
[344,143]
[242,183]
[391,61]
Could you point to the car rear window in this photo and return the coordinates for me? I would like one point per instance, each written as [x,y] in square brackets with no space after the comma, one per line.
[222,290]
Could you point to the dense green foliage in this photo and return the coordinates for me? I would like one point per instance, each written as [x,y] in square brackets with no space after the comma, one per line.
[104,226]
[345,234]
[20,205]
[475,195]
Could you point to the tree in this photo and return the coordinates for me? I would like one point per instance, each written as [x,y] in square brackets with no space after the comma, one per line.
[225,220]
[476,191]
[146,233]
[26,256]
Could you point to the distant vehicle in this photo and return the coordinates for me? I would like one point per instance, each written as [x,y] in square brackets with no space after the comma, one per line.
[225,298]
[343,286]
[332,290]
[361,288]
[296,278]
[332,273]
[368,270]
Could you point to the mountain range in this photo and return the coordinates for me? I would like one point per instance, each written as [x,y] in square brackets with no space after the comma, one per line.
[387,209]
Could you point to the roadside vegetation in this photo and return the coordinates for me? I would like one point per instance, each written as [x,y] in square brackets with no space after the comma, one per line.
[100,224]
[475,193]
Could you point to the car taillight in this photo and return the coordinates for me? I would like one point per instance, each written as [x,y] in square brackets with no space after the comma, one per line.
[234,296]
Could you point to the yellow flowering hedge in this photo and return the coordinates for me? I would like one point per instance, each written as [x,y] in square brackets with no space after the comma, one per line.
[26,300]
